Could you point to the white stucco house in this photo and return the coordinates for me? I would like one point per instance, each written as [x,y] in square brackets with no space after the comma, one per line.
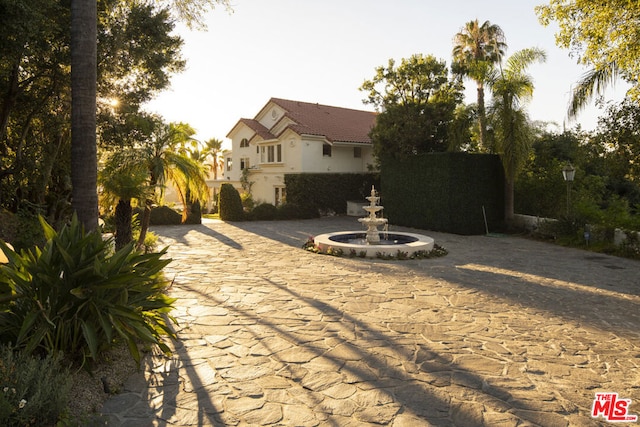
[288,137]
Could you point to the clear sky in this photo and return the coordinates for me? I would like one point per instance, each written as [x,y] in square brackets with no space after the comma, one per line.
[321,51]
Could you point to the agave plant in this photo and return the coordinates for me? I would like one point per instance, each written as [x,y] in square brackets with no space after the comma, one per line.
[76,296]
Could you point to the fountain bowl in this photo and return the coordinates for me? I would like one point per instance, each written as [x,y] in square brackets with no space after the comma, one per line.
[390,243]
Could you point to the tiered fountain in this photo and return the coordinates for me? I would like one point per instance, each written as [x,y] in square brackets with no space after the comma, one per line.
[374,242]
[372,221]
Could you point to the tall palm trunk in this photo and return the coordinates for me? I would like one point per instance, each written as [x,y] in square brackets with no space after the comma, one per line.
[482,116]
[509,200]
[146,215]
[123,216]
[84,163]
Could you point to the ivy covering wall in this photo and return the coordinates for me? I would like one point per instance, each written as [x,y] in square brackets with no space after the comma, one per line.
[444,192]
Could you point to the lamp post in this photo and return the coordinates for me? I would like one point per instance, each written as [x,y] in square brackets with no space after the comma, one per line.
[568,173]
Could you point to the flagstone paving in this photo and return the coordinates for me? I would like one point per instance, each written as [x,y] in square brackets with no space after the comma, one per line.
[503,331]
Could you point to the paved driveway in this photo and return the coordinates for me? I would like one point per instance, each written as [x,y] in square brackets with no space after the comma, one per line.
[503,331]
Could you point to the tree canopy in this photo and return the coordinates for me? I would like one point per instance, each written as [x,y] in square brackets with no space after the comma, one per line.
[416,100]
[602,35]
[136,54]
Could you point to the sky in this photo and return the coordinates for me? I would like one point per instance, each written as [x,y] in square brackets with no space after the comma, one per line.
[321,51]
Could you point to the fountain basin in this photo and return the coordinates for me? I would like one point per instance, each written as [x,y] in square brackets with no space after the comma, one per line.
[390,243]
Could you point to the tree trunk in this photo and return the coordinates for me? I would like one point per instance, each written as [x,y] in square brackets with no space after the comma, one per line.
[482,117]
[123,215]
[144,223]
[8,103]
[508,202]
[84,163]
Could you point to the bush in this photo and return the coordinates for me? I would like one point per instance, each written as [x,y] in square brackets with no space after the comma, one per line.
[75,296]
[160,215]
[264,211]
[294,211]
[164,215]
[33,391]
[194,213]
[229,204]
[9,226]
[328,192]
[247,201]
[22,230]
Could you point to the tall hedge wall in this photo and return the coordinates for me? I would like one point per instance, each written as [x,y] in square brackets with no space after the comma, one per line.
[444,192]
[328,191]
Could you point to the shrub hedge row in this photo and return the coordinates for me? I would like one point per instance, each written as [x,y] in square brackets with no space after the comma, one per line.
[328,192]
[444,192]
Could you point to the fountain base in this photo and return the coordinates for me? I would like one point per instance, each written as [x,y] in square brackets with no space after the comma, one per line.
[390,243]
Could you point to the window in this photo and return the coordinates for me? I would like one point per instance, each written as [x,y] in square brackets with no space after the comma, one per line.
[244,143]
[326,150]
[271,154]
[229,163]
[244,163]
[357,152]
[281,195]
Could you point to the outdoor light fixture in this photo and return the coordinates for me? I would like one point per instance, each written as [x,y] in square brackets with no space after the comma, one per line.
[568,173]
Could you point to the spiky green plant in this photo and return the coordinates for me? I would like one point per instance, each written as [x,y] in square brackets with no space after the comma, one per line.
[76,296]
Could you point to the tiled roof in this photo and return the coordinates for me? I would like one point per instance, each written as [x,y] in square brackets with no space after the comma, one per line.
[335,123]
[258,128]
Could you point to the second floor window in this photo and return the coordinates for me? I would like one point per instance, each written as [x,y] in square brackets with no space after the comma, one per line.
[271,154]
[244,163]
[229,163]
[244,143]
[326,150]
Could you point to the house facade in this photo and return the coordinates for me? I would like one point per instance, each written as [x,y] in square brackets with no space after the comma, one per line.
[288,137]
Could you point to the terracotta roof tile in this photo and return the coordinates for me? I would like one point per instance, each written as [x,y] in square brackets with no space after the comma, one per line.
[258,128]
[335,123]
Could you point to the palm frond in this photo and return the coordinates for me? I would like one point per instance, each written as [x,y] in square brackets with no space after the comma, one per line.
[593,82]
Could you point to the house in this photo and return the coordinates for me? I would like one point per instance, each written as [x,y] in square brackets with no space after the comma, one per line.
[288,137]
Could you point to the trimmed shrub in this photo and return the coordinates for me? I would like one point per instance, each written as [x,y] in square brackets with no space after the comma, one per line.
[33,391]
[161,215]
[229,203]
[194,215]
[328,192]
[294,211]
[164,215]
[264,211]
[449,192]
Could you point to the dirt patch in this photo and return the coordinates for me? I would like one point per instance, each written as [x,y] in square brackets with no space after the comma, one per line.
[89,391]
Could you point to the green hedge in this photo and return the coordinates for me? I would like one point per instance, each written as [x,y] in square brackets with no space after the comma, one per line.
[444,192]
[230,204]
[324,192]
[161,215]
[264,212]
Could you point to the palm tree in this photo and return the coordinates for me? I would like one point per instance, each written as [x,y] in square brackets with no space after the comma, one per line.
[84,162]
[164,163]
[512,88]
[123,178]
[476,50]
[213,148]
